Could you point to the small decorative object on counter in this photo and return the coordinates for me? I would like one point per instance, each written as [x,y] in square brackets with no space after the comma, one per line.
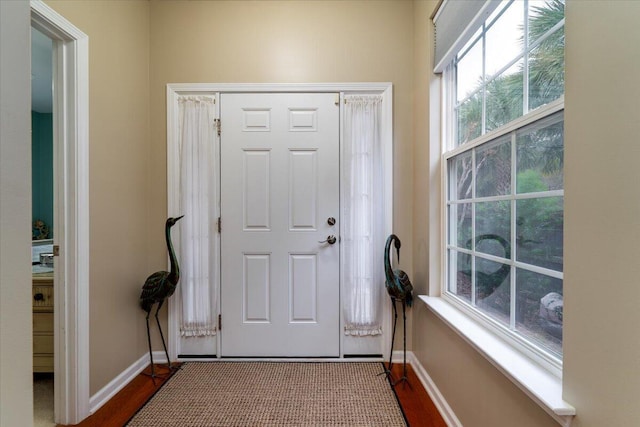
[40,230]
[46,259]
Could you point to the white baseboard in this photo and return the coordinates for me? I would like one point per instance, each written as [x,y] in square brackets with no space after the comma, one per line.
[118,383]
[434,393]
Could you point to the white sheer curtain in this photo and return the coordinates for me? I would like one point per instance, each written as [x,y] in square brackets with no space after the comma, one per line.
[363,215]
[199,205]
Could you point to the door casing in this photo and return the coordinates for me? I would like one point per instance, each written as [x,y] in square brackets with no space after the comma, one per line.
[349,345]
[71,216]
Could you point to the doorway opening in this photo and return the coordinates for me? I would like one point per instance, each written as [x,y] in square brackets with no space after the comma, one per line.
[43,208]
[68,337]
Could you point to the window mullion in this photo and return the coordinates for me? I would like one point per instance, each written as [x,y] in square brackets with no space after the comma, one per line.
[540,270]
[450,121]
[546,35]
[484,81]
[525,59]
[473,228]
[514,248]
[453,121]
[503,69]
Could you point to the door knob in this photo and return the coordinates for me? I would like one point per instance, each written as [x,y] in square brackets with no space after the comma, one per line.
[330,240]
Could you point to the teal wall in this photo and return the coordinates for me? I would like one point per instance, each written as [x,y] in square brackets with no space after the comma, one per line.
[42,167]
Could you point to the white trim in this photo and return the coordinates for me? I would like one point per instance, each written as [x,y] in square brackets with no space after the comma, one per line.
[176,89]
[509,197]
[430,386]
[107,392]
[538,383]
[71,322]
[539,113]
[387,141]
[192,88]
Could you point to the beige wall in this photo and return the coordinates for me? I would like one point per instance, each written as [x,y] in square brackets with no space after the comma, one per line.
[602,211]
[422,42]
[602,343]
[284,42]
[16,402]
[119,178]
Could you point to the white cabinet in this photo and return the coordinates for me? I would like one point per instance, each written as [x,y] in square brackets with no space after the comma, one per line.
[42,303]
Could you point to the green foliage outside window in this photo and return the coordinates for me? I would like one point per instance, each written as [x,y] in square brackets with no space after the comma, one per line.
[487,170]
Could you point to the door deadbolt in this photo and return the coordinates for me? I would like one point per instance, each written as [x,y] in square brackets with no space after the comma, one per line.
[331,221]
[330,240]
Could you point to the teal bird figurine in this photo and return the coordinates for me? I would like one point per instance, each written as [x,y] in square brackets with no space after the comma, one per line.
[158,287]
[400,289]
[397,282]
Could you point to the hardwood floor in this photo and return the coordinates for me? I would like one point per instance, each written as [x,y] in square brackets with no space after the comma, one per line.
[416,404]
[418,408]
[117,411]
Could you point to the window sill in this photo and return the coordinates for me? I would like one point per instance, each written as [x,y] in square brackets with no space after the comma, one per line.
[538,383]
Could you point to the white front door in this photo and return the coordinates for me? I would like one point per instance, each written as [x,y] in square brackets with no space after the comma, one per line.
[279,200]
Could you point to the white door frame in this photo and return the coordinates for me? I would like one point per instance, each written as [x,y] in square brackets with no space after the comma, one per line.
[174,90]
[71,192]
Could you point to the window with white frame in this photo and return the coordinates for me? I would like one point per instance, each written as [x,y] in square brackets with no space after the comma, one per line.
[503,159]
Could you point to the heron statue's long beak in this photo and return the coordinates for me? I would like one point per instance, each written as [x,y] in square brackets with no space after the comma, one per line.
[398,254]
[179,217]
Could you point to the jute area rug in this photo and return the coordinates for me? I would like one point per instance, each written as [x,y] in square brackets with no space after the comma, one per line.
[273,394]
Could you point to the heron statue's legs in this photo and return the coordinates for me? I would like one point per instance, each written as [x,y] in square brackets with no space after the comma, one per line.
[404,348]
[393,335]
[153,372]
[164,345]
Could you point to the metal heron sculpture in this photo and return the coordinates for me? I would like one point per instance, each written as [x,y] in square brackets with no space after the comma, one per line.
[399,288]
[158,287]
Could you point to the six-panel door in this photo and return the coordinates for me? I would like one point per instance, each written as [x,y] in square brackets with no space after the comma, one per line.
[280,187]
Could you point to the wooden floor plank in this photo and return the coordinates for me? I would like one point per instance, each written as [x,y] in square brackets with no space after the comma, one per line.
[117,411]
[416,404]
[418,408]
